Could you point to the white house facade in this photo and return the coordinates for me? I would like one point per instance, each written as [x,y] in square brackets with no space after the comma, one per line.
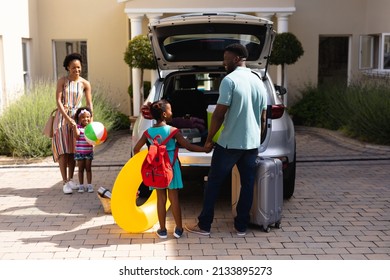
[342,39]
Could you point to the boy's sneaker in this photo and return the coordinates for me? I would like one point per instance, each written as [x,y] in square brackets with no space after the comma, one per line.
[178,232]
[90,188]
[72,185]
[66,188]
[162,233]
[196,229]
[81,189]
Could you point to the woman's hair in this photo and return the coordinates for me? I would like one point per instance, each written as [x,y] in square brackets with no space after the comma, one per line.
[157,108]
[70,57]
[80,111]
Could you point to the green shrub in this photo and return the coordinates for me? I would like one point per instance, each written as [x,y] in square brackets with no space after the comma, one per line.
[369,107]
[106,113]
[360,110]
[314,108]
[22,122]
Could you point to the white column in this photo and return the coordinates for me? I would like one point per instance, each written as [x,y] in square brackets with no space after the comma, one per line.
[282,22]
[282,19]
[154,73]
[136,29]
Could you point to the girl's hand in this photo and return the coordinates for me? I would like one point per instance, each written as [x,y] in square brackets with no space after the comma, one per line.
[208,146]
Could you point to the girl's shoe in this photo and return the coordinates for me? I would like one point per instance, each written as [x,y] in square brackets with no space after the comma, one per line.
[178,232]
[89,188]
[162,233]
[81,189]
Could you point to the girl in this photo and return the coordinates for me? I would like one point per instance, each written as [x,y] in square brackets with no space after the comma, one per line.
[161,111]
[84,150]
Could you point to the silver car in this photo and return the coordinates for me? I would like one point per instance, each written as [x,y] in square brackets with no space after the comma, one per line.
[189,52]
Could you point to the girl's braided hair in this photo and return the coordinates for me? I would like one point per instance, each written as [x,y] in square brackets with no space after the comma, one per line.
[157,108]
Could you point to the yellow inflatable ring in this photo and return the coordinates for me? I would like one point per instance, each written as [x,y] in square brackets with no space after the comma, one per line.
[126,213]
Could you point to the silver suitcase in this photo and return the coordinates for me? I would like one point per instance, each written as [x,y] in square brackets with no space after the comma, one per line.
[267,204]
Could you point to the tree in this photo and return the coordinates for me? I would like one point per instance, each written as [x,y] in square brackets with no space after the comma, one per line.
[139,55]
[286,49]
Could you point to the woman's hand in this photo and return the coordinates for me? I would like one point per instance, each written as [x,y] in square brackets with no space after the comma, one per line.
[71,121]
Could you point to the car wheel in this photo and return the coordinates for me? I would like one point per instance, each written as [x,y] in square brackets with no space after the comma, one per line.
[289,179]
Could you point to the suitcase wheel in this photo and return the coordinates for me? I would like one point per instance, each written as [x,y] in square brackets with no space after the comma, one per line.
[278,225]
[266,229]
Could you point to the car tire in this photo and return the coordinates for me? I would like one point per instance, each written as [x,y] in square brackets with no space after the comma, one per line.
[289,179]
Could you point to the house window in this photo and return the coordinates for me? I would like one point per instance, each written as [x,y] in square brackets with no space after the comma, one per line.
[62,48]
[375,52]
[2,96]
[386,52]
[366,52]
[26,64]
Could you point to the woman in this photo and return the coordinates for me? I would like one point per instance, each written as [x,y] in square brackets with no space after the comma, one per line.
[70,91]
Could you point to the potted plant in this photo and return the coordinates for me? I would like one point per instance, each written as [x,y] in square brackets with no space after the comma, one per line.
[139,55]
[286,49]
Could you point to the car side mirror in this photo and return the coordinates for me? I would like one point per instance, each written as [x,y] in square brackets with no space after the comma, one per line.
[280,90]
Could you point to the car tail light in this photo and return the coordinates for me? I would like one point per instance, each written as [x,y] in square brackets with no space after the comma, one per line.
[277,111]
[284,161]
[145,110]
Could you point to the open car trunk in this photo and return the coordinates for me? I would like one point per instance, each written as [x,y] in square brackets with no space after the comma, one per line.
[198,40]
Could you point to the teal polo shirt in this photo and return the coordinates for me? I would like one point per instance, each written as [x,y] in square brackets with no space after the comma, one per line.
[246,96]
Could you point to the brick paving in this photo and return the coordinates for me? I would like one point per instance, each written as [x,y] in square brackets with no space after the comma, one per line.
[340,210]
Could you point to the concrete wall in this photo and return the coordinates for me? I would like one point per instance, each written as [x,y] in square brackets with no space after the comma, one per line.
[377,16]
[104,24]
[14,25]
[206,5]
[330,18]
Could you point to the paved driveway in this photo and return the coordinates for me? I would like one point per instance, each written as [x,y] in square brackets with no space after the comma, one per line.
[340,210]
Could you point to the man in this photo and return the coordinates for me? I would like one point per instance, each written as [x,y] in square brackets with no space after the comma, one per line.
[241,107]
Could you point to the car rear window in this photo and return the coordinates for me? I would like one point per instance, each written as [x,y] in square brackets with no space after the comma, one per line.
[204,42]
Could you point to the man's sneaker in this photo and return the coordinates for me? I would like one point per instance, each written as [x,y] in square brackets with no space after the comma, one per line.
[89,188]
[67,189]
[81,189]
[73,185]
[178,232]
[240,233]
[196,229]
[162,233]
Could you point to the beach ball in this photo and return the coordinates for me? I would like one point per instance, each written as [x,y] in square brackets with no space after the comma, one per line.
[95,133]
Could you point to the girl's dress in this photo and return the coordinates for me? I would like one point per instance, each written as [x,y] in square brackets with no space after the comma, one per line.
[84,150]
[164,131]
[63,141]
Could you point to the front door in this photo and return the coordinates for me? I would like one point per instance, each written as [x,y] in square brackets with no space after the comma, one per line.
[333,60]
